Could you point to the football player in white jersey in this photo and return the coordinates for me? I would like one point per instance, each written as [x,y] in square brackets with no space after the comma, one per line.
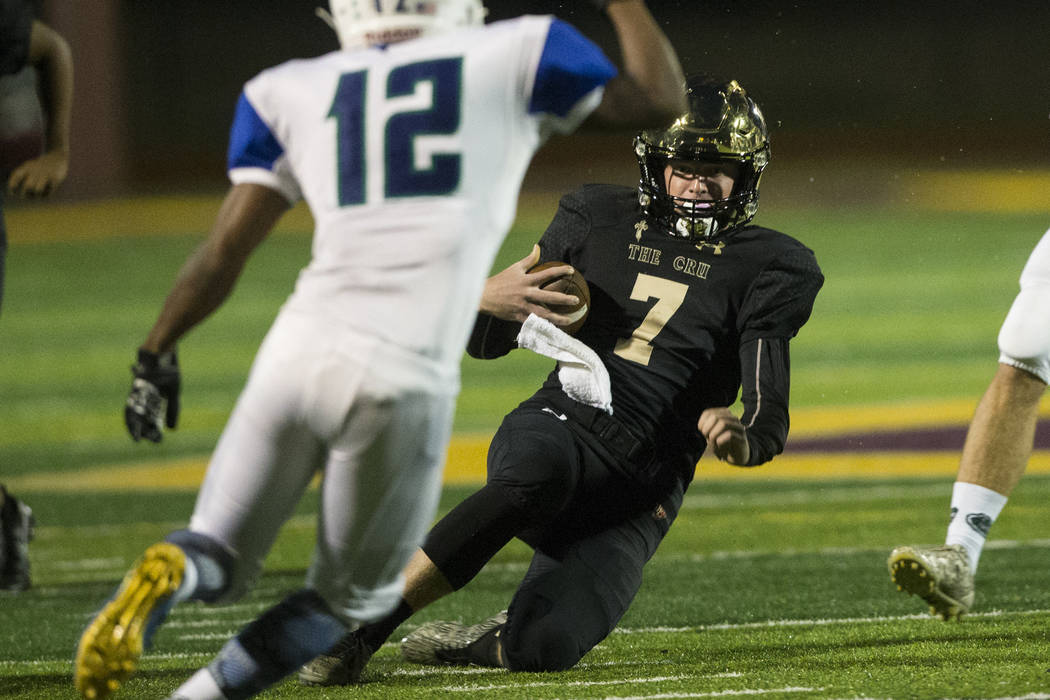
[409,145]
[998,445]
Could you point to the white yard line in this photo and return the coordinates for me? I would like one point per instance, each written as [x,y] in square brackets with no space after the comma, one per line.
[718,693]
[103,570]
[422,671]
[592,684]
[726,626]
[697,499]
[209,636]
[817,622]
[755,553]
[46,532]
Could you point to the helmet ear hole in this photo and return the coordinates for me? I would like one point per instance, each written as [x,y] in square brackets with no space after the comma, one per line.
[723,125]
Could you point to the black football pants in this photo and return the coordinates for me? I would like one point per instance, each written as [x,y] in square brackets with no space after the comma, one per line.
[591,528]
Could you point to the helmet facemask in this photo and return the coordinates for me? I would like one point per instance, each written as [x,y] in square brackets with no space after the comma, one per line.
[723,127]
[363,23]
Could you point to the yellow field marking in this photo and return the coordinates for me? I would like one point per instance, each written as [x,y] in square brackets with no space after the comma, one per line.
[466,465]
[994,191]
[47,222]
[466,454]
[853,465]
[170,475]
[980,191]
[834,420]
[109,218]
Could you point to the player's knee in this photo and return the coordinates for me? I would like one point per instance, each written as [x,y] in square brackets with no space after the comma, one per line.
[539,489]
[538,471]
[1025,335]
[219,577]
[1019,385]
[544,645]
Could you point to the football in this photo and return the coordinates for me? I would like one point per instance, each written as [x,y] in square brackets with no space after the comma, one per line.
[572,284]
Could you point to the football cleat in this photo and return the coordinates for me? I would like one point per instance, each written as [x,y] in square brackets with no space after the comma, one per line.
[939,575]
[447,643]
[340,665]
[110,647]
[16,530]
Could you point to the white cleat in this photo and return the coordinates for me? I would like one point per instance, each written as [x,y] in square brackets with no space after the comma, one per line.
[939,575]
[447,643]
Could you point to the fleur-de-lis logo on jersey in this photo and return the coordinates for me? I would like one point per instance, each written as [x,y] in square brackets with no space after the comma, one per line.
[638,228]
[716,247]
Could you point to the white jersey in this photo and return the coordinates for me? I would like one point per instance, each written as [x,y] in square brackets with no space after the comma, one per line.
[411,157]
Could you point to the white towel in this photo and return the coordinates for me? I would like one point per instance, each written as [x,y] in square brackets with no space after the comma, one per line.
[582,373]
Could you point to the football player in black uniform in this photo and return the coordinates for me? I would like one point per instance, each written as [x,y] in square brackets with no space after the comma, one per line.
[690,304]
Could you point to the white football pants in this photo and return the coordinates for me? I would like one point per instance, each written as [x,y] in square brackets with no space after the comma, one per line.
[375,419]
[1024,339]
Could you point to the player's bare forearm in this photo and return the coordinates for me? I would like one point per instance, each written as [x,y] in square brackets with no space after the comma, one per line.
[51,52]
[207,278]
[38,177]
[649,91]
[200,288]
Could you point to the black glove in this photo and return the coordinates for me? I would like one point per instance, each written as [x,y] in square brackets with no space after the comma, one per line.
[600,4]
[155,390]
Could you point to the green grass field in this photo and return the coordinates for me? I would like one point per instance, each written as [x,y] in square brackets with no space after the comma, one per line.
[767,587]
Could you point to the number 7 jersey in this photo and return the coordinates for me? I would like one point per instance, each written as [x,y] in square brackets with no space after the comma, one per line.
[410,158]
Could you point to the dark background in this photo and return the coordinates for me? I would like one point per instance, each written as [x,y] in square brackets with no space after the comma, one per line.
[898,85]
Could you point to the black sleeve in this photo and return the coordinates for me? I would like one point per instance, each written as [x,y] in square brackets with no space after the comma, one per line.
[781,298]
[16,23]
[765,383]
[567,231]
[778,303]
[492,337]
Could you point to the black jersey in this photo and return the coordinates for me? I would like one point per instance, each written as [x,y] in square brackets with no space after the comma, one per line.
[16,20]
[672,318]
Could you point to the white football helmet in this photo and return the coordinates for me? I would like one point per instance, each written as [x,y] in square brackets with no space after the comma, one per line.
[363,23]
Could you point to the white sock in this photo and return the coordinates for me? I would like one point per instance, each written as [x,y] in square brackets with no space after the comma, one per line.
[189,582]
[974,509]
[201,686]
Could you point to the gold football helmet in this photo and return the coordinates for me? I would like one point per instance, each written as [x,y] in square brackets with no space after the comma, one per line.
[722,125]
